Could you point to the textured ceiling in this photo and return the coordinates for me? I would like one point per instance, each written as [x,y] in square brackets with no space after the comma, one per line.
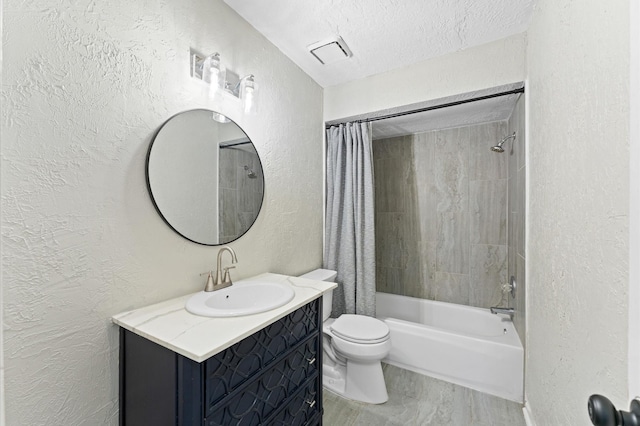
[382,35]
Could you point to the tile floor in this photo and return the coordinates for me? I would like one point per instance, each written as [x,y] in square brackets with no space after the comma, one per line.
[415,399]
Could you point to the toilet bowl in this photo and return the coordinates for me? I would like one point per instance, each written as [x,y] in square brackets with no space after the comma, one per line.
[353,346]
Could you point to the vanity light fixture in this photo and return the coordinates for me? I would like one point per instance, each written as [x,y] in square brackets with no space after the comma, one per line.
[210,70]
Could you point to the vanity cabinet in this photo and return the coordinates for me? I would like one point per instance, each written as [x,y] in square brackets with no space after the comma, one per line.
[272,377]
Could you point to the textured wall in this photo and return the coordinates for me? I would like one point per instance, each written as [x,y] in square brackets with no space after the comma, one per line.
[441,215]
[634,208]
[578,67]
[489,65]
[85,85]
[516,194]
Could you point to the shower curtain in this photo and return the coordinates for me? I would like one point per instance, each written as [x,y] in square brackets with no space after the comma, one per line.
[349,225]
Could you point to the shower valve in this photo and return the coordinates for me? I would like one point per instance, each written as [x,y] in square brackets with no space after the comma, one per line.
[510,287]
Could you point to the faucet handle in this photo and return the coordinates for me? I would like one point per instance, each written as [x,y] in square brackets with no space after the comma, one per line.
[227,276]
[209,285]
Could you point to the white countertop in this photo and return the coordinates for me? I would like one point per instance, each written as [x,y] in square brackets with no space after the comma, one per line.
[199,338]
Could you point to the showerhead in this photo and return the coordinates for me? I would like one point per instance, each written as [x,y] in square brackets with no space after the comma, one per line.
[250,173]
[499,148]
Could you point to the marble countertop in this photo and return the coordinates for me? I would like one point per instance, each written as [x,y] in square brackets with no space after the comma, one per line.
[199,338]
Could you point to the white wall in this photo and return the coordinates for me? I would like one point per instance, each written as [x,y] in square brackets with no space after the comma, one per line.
[2,392]
[85,86]
[492,64]
[634,211]
[578,70]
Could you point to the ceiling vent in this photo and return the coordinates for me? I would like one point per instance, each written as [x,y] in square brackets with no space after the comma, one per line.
[330,51]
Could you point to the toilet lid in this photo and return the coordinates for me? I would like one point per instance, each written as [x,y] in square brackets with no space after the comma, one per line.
[360,329]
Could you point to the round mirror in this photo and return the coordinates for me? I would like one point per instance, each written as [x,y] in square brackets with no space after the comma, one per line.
[205,177]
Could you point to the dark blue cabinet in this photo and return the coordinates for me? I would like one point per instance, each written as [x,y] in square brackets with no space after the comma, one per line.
[272,377]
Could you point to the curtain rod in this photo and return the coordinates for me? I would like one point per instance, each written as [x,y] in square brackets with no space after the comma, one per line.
[449,104]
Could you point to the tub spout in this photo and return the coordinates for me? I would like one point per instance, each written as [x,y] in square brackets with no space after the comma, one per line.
[503,311]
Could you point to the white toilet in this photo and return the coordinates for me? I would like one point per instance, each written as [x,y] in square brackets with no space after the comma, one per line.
[353,347]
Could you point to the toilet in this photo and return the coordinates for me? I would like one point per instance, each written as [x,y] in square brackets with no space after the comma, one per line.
[353,346]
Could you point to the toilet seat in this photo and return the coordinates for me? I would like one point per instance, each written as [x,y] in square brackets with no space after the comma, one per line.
[360,329]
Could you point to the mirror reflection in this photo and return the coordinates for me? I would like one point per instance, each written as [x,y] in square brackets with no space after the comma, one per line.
[205,177]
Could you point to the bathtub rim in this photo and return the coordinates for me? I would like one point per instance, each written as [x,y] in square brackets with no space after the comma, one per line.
[512,334]
[498,340]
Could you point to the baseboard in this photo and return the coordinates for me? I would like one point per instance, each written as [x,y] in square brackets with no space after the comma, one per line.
[528,418]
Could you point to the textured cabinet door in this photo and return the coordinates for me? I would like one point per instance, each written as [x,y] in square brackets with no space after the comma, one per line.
[303,409]
[230,369]
[270,389]
[269,377]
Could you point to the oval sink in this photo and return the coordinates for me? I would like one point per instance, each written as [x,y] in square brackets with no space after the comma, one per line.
[242,298]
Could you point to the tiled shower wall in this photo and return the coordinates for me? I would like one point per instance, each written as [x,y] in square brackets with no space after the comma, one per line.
[441,215]
[240,196]
[516,220]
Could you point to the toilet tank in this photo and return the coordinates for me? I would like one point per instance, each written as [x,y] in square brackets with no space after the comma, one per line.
[327,298]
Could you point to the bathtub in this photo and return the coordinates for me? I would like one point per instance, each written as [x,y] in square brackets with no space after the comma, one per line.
[460,344]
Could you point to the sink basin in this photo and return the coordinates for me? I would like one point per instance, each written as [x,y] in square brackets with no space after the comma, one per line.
[242,298]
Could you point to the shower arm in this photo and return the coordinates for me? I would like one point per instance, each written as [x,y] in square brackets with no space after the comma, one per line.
[506,138]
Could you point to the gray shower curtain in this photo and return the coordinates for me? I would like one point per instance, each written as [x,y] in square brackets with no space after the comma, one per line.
[349,225]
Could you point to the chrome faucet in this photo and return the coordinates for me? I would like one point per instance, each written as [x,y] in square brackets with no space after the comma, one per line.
[503,311]
[221,281]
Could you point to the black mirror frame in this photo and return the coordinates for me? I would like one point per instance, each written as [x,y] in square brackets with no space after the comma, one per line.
[155,205]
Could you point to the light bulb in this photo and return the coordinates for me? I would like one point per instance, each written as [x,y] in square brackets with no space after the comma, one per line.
[213,72]
[220,118]
[248,94]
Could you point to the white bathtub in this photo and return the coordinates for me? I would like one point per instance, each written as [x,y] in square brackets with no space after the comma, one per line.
[460,344]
